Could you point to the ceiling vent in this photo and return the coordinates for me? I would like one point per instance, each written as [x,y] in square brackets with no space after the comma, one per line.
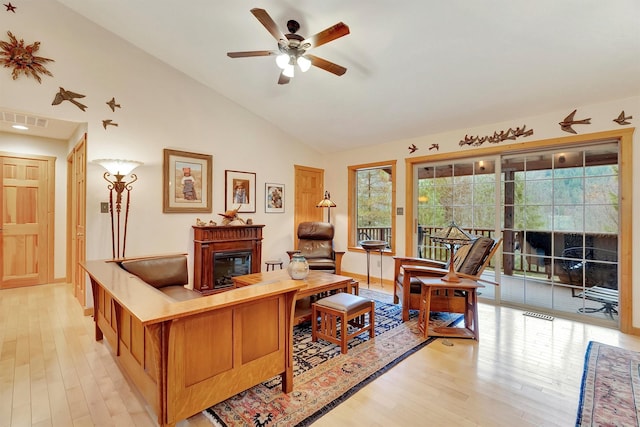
[23,119]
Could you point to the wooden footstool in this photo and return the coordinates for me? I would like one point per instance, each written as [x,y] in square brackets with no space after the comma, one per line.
[350,310]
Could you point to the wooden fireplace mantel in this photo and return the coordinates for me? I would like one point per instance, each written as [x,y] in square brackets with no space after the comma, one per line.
[209,240]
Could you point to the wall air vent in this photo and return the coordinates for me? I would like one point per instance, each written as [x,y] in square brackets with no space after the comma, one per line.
[23,119]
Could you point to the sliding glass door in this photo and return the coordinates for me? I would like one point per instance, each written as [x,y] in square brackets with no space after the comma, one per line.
[557,212]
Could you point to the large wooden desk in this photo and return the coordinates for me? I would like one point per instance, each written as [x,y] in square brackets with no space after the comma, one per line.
[185,356]
[315,283]
[469,288]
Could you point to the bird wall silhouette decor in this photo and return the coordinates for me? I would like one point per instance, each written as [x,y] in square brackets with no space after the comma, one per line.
[568,121]
[497,136]
[66,95]
[622,119]
[412,148]
[112,104]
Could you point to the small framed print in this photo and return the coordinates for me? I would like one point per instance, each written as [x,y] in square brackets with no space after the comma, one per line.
[273,198]
[186,182]
[240,191]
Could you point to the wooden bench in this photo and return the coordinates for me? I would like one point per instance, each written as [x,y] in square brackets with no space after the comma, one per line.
[607,297]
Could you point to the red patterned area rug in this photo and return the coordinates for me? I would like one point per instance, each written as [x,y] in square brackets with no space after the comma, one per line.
[610,387]
[323,377]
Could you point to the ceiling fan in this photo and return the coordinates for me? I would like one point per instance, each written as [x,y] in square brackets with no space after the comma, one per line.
[292,48]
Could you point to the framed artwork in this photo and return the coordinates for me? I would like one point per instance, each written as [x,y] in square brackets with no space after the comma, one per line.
[186,182]
[273,198]
[240,191]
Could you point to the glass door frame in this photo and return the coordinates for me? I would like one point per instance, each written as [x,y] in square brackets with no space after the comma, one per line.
[624,137]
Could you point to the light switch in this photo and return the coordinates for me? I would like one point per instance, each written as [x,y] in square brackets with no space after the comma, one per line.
[104,207]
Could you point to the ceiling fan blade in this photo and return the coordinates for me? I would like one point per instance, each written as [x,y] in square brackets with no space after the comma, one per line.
[325,36]
[283,80]
[250,53]
[264,18]
[336,69]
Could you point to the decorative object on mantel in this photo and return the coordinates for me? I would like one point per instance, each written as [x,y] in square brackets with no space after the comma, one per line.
[118,169]
[565,125]
[434,147]
[108,122]
[497,136]
[10,7]
[201,223]
[14,54]
[622,119]
[231,217]
[412,148]
[112,104]
[66,95]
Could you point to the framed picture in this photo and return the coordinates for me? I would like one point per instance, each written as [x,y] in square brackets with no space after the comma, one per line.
[273,198]
[240,191]
[186,182]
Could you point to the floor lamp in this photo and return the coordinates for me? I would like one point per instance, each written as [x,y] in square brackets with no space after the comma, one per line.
[118,169]
[453,236]
[326,203]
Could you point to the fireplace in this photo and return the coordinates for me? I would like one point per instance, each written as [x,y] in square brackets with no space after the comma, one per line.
[227,265]
[222,252]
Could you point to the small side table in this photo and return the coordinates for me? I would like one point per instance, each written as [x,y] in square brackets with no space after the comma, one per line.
[469,288]
[272,264]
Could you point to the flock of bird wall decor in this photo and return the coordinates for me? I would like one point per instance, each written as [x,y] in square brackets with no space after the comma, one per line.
[511,134]
[22,59]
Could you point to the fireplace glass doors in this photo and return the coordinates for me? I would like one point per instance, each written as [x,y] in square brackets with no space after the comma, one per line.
[227,265]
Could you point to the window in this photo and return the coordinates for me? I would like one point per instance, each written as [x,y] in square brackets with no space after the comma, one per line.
[372,203]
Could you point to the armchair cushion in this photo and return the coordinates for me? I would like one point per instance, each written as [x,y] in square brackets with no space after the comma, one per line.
[160,272]
[477,252]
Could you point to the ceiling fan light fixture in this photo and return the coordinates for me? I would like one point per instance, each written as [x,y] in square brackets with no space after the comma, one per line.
[304,64]
[288,71]
[282,60]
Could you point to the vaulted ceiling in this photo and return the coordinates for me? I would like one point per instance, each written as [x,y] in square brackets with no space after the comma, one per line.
[414,68]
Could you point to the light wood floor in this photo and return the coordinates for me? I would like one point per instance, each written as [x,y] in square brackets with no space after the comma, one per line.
[524,371]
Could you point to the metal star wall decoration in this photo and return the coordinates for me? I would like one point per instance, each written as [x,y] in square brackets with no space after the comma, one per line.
[14,54]
[10,7]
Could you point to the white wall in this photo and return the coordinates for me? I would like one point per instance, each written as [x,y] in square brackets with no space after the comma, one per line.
[544,126]
[161,108]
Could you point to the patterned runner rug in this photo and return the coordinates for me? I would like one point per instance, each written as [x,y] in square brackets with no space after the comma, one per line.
[323,377]
[610,387]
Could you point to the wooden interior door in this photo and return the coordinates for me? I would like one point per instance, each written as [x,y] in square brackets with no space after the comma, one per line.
[309,183]
[77,219]
[27,246]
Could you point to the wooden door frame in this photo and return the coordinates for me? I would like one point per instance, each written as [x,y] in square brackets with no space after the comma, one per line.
[625,141]
[50,217]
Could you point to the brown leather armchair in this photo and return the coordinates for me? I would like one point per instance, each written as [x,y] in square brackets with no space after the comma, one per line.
[315,243]
[469,261]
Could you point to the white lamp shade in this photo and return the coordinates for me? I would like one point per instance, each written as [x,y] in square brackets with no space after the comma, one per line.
[304,64]
[118,166]
[282,60]
[288,71]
